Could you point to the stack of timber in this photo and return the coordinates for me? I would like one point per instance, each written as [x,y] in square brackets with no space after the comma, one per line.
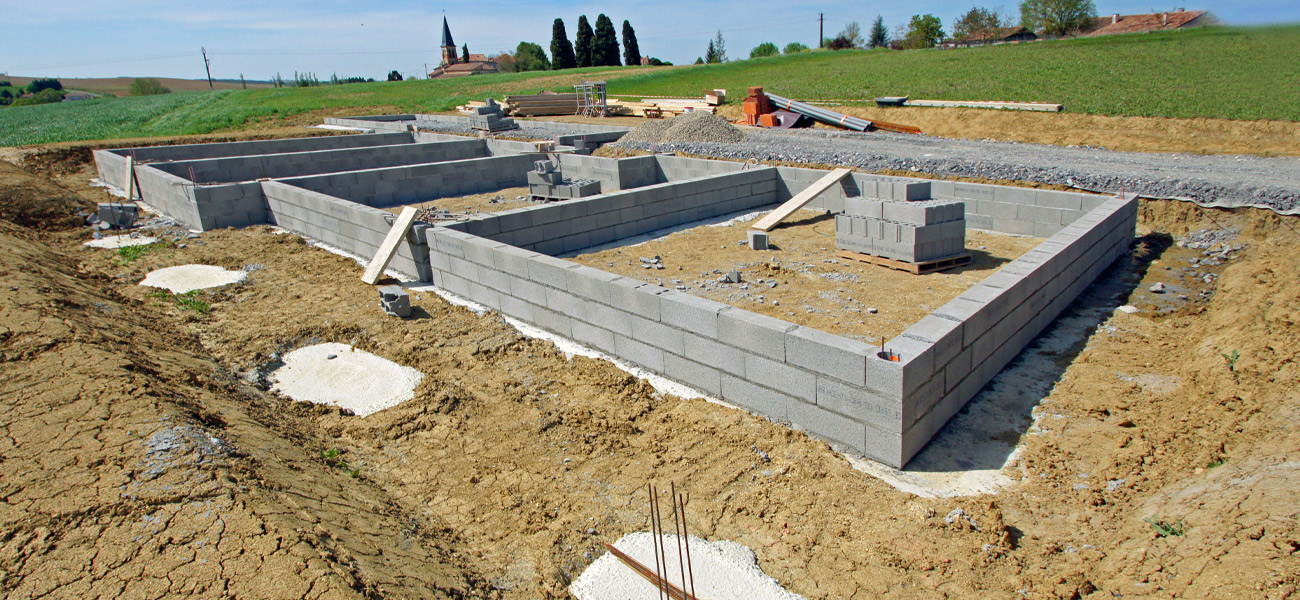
[541,105]
[654,108]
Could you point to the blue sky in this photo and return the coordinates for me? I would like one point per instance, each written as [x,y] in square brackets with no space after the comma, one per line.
[84,38]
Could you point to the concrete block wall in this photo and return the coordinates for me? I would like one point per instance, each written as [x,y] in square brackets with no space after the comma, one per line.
[379,123]
[167,193]
[418,183]
[677,168]
[794,180]
[951,354]
[1015,210]
[116,177]
[834,387]
[297,164]
[229,205]
[575,224]
[349,226]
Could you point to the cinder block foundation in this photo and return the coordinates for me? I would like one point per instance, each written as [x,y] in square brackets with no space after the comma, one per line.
[835,388]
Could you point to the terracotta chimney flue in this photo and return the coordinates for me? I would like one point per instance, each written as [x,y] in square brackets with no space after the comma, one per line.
[1115,19]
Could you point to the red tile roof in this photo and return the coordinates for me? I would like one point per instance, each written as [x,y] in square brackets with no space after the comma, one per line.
[1147,22]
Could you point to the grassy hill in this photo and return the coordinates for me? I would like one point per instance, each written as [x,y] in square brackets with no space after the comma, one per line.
[1231,73]
[119,86]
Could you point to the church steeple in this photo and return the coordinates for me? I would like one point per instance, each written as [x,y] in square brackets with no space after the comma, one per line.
[446,34]
[448,45]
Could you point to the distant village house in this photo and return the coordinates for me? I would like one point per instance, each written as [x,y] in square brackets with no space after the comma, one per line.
[1178,19]
[1000,35]
[457,66]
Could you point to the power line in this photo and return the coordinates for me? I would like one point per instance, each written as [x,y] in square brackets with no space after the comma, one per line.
[108,61]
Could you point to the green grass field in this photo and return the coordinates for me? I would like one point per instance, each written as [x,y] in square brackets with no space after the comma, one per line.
[1232,73]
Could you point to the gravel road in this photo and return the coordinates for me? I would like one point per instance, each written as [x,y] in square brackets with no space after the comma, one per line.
[1208,180]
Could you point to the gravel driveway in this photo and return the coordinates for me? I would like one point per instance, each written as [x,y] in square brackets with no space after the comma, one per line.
[1208,180]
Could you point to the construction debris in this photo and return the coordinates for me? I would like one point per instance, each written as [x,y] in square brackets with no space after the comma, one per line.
[830,117]
[395,301]
[114,215]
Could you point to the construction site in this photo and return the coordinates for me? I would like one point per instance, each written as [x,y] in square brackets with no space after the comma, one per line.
[471,355]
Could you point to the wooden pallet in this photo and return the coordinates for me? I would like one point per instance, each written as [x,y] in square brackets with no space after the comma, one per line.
[929,266]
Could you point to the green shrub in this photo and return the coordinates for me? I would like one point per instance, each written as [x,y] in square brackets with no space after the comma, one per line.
[147,86]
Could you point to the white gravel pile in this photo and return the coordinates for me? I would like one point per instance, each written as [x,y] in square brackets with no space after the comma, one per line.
[722,570]
[695,126]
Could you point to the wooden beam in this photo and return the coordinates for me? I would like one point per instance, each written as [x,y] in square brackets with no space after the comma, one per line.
[1039,106]
[802,198]
[389,247]
[130,178]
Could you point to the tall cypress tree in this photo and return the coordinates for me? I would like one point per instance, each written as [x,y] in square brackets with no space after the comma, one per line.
[464,53]
[561,48]
[631,51]
[604,47]
[582,43]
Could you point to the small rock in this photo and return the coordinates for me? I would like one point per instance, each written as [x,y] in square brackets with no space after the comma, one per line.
[872,311]
[1128,308]
[733,277]
[331,357]
[1157,288]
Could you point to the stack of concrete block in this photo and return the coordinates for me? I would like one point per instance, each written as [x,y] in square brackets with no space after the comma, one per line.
[116,215]
[915,232]
[545,181]
[491,118]
[395,301]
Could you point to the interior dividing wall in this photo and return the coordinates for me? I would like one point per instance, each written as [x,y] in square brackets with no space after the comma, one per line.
[575,224]
[348,226]
[417,183]
[297,164]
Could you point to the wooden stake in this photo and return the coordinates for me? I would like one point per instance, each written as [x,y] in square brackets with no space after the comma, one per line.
[389,247]
[130,178]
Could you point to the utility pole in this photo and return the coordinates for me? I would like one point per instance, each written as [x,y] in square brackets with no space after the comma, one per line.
[207,65]
[821,30]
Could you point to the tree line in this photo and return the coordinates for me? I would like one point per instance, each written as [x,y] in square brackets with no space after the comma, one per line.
[1048,17]
[591,47]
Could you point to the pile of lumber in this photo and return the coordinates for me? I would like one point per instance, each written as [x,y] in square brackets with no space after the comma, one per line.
[541,105]
[658,108]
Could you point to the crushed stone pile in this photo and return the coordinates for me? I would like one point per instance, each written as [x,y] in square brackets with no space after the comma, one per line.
[695,126]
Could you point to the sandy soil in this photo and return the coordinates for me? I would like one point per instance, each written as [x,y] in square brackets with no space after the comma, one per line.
[485,202]
[514,462]
[1135,134]
[813,287]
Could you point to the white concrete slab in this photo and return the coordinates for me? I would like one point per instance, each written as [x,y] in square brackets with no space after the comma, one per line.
[722,569]
[187,278]
[113,242]
[340,375]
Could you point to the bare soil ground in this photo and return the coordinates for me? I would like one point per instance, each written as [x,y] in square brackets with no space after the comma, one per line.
[513,462]
[812,286]
[1133,134]
[497,201]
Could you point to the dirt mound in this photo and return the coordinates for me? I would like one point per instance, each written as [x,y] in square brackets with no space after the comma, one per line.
[136,467]
[28,201]
[694,126]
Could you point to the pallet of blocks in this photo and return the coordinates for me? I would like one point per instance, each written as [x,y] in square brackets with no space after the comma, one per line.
[918,236]
[541,105]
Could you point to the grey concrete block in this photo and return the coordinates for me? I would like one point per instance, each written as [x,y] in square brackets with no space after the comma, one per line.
[643,355]
[692,373]
[781,377]
[550,271]
[761,400]
[566,304]
[754,332]
[758,240]
[690,313]
[860,403]
[843,433]
[827,354]
[595,337]
[864,207]
[636,297]
[553,321]
[658,335]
